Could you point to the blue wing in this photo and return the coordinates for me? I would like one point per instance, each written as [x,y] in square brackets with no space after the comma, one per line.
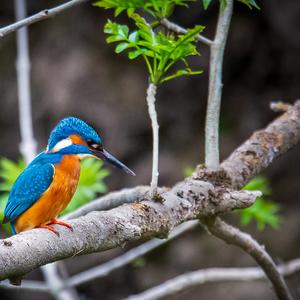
[28,188]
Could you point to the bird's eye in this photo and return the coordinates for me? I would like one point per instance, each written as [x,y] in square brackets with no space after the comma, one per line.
[92,144]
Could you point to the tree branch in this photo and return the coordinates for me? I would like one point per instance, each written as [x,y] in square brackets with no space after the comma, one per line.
[128,257]
[178,29]
[212,159]
[263,147]
[191,279]
[99,231]
[234,236]
[42,15]
[111,200]
[192,198]
[29,285]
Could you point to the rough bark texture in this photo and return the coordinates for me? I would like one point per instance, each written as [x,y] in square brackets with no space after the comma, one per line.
[189,199]
[263,147]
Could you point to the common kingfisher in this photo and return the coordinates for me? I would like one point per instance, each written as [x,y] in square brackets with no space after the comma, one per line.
[46,186]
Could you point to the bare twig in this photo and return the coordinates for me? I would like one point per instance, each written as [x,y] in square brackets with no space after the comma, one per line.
[128,257]
[151,98]
[42,15]
[57,285]
[212,158]
[191,279]
[280,106]
[28,143]
[178,29]
[29,285]
[243,240]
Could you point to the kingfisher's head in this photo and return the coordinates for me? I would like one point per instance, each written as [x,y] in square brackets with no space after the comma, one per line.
[72,136]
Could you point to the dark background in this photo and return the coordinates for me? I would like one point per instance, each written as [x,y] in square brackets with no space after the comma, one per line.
[75,73]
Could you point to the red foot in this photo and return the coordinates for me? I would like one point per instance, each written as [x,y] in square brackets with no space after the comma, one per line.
[50,228]
[55,221]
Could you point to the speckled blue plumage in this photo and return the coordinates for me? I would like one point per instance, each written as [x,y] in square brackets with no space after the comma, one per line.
[69,126]
[30,185]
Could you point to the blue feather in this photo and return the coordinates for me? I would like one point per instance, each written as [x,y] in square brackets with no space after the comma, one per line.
[30,185]
[69,126]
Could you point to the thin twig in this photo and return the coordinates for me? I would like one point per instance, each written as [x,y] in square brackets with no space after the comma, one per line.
[128,257]
[178,29]
[212,159]
[29,285]
[243,240]
[42,15]
[191,279]
[151,98]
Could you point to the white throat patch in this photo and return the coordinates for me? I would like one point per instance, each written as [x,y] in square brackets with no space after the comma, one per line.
[62,144]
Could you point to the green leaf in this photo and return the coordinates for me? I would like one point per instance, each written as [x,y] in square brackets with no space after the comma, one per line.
[264,212]
[133,37]
[156,8]
[121,47]
[223,3]
[136,53]
[159,50]
[206,3]
[250,3]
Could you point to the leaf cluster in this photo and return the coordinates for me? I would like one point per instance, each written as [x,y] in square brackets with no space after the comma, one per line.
[156,8]
[263,211]
[160,50]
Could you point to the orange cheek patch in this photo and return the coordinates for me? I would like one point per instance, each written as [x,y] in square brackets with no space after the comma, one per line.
[76,139]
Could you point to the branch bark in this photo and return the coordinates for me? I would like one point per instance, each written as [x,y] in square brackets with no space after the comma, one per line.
[191,279]
[212,157]
[151,98]
[42,15]
[192,198]
[234,236]
[99,231]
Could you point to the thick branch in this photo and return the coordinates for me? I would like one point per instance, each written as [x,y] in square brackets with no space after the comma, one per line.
[243,240]
[265,145]
[42,15]
[191,279]
[178,29]
[100,231]
[189,199]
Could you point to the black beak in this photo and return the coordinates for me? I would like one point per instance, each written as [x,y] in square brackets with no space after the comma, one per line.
[104,155]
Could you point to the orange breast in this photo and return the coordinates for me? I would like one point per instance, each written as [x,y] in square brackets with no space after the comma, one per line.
[55,199]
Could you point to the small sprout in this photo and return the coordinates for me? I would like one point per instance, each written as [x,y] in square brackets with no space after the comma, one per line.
[264,212]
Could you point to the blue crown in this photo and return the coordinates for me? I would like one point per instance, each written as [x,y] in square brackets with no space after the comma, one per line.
[69,126]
